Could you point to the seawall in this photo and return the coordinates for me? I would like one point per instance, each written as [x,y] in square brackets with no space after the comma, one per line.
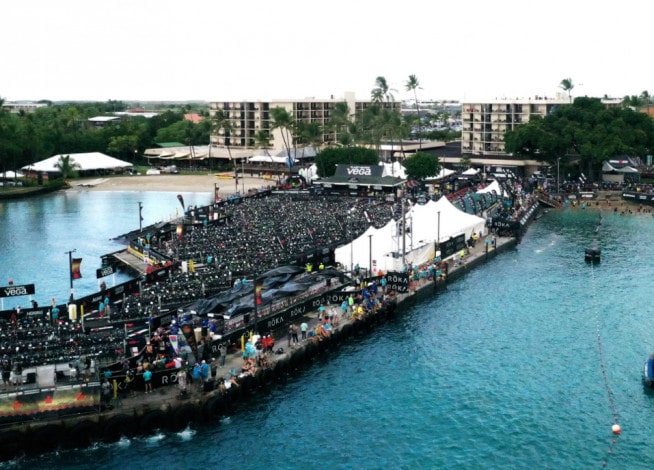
[143,414]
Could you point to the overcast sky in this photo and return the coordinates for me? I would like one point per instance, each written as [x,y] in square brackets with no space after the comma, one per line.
[261,49]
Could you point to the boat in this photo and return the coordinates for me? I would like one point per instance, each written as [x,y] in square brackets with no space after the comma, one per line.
[648,371]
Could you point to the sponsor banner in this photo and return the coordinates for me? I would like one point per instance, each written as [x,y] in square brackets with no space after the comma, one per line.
[353,171]
[15,291]
[397,281]
[24,404]
[103,272]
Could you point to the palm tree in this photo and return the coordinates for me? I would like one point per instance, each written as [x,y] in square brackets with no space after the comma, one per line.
[382,92]
[567,86]
[67,166]
[262,141]
[309,133]
[221,121]
[413,84]
[281,119]
[340,123]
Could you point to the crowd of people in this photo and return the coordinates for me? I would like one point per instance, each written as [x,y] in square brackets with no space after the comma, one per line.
[254,235]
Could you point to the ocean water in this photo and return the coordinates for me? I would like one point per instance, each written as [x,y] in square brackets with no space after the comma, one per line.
[37,233]
[525,362]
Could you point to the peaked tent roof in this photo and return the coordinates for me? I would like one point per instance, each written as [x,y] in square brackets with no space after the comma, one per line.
[452,220]
[607,167]
[86,162]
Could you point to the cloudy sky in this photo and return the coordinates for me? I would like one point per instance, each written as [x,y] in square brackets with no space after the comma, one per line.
[261,49]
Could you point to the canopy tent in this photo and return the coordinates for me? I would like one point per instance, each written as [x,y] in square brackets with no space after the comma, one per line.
[427,217]
[607,167]
[393,169]
[83,161]
[268,159]
[11,174]
[299,153]
[384,246]
[493,187]
[374,244]
[470,172]
[443,174]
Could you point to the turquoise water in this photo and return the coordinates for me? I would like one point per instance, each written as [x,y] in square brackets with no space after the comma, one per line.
[37,233]
[515,365]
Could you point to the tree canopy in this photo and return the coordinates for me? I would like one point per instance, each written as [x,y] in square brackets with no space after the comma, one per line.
[422,165]
[64,128]
[586,131]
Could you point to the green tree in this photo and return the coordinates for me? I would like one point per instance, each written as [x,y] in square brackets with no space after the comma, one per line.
[262,140]
[341,124]
[221,122]
[586,132]
[67,166]
[124,147]
[567,86]
[422,165]
[412,84]
[308,133]
[382,92]
[281,119]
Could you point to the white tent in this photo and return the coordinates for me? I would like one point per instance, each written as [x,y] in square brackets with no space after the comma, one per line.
[11,174]
[494,186]
[299,153]
[83,161]
[373,245]
[384,246]
[443,173]
[425,221]
[393,169]
[267,159]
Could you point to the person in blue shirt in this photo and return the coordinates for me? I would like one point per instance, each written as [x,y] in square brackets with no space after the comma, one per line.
[204,372]
[147,379]
[197,375]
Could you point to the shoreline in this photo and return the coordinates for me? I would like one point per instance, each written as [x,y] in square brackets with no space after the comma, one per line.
[171,183]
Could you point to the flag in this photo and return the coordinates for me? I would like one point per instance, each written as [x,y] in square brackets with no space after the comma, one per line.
[289,161]
[258,287]
[180,198]
[75,268]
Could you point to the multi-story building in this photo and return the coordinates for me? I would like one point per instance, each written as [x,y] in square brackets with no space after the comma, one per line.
[484,125]
[247,118]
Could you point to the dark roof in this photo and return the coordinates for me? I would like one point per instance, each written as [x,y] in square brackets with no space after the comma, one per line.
[362,180]
[450,150]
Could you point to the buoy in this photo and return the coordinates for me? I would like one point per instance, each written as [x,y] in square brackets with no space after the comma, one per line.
[616,429]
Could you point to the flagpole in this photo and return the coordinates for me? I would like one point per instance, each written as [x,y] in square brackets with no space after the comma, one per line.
[70,272]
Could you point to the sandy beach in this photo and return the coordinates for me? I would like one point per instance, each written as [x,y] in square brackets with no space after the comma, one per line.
[182,183]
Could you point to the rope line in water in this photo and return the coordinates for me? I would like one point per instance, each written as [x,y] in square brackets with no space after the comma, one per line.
[616,429]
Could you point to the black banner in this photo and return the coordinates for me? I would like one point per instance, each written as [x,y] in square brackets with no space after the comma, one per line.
[15,291]
[399,282]
[453,245]
[103,272]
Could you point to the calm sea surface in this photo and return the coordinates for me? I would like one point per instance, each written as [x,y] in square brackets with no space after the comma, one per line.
[526,362]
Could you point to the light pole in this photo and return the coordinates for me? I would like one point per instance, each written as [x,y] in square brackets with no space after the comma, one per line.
[558,183]
[140,216]
[438,234]
[70,273]
[370,255]
[243,175]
